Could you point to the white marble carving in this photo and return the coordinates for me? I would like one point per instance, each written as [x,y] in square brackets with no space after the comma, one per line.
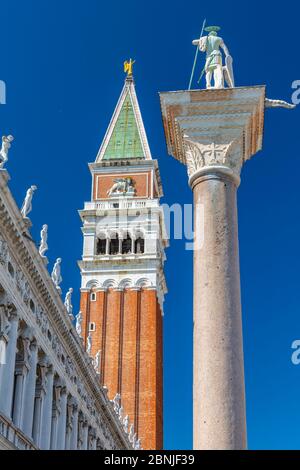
[44,238]
[116,403]
[89,344]
[138,445]
[79,324]
[122,187]
[68,303]
[56,274]
[131,433]
[121,413]
[3,251]
[27,204]
[97,362]
[278,104]
[200,155]
[6,145]
[126,424]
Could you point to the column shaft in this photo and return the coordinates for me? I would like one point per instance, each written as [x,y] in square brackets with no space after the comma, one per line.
[20,378]
[37,420]
[74,435]
[29,395]
[219,398]
[62,421]
[47,413]
[54,423]
[8,372]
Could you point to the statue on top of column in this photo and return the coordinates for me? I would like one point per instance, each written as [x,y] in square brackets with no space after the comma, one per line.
[214,68]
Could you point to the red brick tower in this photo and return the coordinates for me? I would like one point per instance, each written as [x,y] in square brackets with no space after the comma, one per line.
[123,284]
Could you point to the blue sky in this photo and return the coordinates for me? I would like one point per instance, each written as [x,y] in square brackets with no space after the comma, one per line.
[62,62]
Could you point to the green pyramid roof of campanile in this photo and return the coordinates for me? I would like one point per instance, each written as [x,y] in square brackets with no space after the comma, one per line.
[126,137]
[125,141]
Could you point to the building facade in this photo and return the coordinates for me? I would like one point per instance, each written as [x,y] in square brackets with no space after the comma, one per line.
[123,283]
[50,393]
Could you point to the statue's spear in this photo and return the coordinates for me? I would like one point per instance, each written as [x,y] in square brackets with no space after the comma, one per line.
[196,55]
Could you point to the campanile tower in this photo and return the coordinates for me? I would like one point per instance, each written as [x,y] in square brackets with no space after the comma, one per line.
[123,284]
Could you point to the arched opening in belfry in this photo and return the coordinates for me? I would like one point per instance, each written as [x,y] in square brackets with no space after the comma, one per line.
[114,245]
[139,245]
[101,246]
[126,244]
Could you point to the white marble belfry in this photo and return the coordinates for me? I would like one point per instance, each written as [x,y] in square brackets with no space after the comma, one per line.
[213,132]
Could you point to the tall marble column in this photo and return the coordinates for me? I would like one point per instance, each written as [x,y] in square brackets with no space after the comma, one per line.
[47,411]
[213,132]
[8,369]
[29,395]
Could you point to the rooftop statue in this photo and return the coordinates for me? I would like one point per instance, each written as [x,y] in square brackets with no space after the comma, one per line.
[68,303]
[6,145]
[212,45]
[27,204]
[44,238]
[79,320]
[128,65]
[56,274]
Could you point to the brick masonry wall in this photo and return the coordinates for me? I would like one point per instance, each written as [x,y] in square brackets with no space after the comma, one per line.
[129,335]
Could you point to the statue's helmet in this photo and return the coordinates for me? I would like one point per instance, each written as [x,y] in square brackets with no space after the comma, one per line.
[212,30]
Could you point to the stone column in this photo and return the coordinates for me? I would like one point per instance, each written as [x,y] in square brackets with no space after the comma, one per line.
[85,431]
[37,418]
[56,410]
[69,423]
[47,411]
[120,243]
[92,443]
[107,245]
[40,392]
[74,435]
[20,377]
[62,421]
[219,399]
[29,395]
[132,244]
[7,382]
[213,132]
[21,371]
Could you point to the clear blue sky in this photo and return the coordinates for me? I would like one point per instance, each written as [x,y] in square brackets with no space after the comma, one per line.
[62,62]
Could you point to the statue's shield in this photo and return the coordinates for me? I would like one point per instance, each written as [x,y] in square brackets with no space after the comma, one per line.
[228,71]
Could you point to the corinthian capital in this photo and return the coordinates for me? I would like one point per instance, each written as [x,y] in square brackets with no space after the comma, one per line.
[202,156]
